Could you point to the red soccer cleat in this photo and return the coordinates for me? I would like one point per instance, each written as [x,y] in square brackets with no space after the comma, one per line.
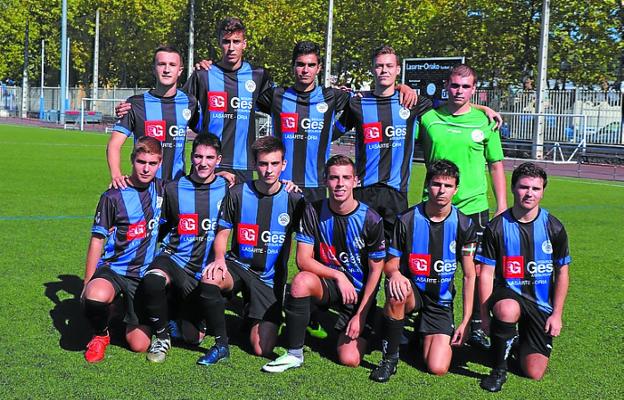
[96,348]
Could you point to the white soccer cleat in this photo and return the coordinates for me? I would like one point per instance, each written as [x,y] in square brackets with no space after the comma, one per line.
[283,363]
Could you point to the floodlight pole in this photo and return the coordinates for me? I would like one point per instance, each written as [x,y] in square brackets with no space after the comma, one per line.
[191,39]
[328,43]
[25,91]
[63,61]
[67,76]
[96,54]
[41,98]
[537,150]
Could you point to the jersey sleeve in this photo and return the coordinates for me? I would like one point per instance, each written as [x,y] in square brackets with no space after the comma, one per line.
[486,253]
[467,237]
[228,212]
[493,146]
[342,98]
[374,239]
[104,219]
[397,241]
[346,122]
[195,122]
[127,123]
[307,226]
[265,100]
[561,250]
[423,105]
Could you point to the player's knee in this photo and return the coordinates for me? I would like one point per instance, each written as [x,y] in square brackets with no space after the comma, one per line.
[300,286]
[506,310]
[535,373]
[396,305]
[153,283]
[99,291]
[437,368]
[349,359]
[138,340]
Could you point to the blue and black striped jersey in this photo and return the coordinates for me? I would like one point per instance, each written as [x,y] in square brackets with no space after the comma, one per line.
[304,122]
[262,226]
[384,140]
[429,251]
[166,119]
[228,99]
[344,242]
[129,220]
[191,213]
[525,255]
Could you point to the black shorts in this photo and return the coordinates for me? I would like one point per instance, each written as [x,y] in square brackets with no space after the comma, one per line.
[480,219]
[125,288]
[313,194]
[242,175]
[333,299]
[262,302]
[433,318]
[387,201]
[531,325]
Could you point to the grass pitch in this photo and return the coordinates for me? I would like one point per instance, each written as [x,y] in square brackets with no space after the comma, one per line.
[51,182]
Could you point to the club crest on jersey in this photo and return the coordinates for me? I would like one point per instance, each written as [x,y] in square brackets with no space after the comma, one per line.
[98,218]
[477,135]
[547,247]
[513,267]
[328,254]
[159,201]
[453,247]
[248,234]
[186,114]
[217,101]
[283,219]
[322,107]
[372,132]
[137,231]
[188,224]
[290,122]
[404,113]
[250,85]
[156,129]
[420,264]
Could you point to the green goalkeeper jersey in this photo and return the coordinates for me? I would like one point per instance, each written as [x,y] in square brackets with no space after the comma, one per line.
[469,141]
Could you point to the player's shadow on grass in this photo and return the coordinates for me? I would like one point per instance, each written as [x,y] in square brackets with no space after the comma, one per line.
[67,315]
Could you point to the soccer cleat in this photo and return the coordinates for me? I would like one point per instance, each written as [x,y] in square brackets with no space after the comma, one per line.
[174,330]
[386,368]
[96,348]
[283,363]
[316,330]
[478,339]
[214,354]
[494,381]
[158,350]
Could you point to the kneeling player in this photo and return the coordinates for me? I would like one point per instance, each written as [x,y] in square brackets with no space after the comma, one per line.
[262,213]
[524,279]
[429,240]
[125,228]
[340,253]
[191,211]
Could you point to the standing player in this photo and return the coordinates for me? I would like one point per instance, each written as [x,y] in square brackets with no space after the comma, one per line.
[461,133]
[191,211]
[227,93]
[262,214]
[524,279]
[125,229]
[340,254]
[163,113]
[429,240]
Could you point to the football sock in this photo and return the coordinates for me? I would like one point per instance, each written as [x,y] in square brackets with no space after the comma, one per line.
[502,334]
[97,315]
[297,312]
[212,306]
[155,299]
[394,330]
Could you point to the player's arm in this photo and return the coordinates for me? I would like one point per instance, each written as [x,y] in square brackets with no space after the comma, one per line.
[306,262]
[113,157]
[399,285]
[492,115]
[356,324]
[94,252]
[468,289]
[554,323]
[218,267]
[499,185]
[407,96]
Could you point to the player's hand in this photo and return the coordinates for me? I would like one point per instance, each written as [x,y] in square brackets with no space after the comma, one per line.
[354,327]
[407,96]
[347,290]
[203,64]
[122,109]
[499,211]
[494,116]
[290,186]
[345,88]
[460,335]
[216,271]
[553,325]
[119,182]
[228,176]
[399,287]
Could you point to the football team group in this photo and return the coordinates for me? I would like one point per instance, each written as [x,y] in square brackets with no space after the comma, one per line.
[173,248]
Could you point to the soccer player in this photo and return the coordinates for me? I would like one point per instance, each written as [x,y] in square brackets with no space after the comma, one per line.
[340,254]
[163,113]
[429,240]
[524,278]
[125,230]
[191,211]
[261,214]
[461,133]
[227,94]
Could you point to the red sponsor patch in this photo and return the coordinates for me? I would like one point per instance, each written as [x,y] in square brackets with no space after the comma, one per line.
[290,122]
[188,224]
[328,254]
[420,264]
[156,129]
[248,234]
[137,231]
[372,132]
[217,101]
[513,267]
